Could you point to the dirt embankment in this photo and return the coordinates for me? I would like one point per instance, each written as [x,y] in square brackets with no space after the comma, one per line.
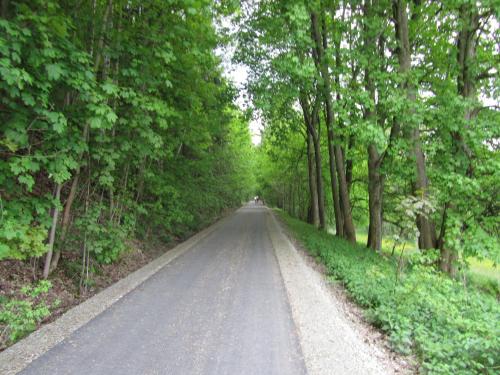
[66,291]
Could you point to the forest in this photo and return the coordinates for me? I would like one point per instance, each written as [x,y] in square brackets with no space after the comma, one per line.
[396,103]
[117,124]
[380,129]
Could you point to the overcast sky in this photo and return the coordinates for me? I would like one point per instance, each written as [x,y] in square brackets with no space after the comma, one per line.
[238,74]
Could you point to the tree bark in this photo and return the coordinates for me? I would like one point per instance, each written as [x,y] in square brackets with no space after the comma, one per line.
[466,53]
[100,44]
[375,179]
[427,238]
[52,234]
[349,165]
[339,217]
[337,203]
[5,8]
[65,220]
[314,219]
[319,183]
[338,162]
[310,120]
[375,196]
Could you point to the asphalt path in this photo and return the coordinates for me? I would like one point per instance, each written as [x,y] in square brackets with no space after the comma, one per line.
[219,308]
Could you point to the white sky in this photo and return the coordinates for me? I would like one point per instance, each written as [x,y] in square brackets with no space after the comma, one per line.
[238,74]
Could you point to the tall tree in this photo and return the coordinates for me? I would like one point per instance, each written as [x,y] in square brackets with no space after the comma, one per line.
[336,156]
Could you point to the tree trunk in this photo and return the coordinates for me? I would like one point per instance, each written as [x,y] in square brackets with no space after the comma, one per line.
[311,120]
[5,8]
[52,234]
[375,194]
[339,217]
[349,165]
[74,185]
[65,220]
[375,179]
[319,183]
[351,140]
[312,182]
[321,64]
[337,204]
[100,45]
[69,203]
[427,238]
[466,53]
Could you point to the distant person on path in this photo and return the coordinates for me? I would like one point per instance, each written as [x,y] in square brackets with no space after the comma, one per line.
[258,200]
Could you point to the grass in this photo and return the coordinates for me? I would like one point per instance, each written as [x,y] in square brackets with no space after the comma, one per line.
[483,274]
[449,328]
[485,268]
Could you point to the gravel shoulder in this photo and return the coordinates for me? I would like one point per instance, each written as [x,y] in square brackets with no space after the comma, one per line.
[333,336]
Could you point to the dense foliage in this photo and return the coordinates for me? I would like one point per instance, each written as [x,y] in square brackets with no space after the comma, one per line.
[450,329]
[19,317]
[381,117]
[116,123]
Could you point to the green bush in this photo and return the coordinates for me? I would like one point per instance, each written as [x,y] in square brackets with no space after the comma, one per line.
[19,317]
[451,330]
[21,241]
[105,240]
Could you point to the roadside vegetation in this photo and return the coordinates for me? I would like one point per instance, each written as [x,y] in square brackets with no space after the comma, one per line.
[484,274]
[449,328]
[118,130]
[381,131]
[380,122]
[380,118]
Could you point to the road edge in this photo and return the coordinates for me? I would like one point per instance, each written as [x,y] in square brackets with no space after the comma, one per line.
[17,357]
[325,338]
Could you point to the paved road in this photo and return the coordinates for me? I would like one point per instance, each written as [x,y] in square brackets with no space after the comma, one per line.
[220,308]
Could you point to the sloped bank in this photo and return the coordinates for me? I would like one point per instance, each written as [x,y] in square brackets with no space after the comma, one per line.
[332,341]
[450,329]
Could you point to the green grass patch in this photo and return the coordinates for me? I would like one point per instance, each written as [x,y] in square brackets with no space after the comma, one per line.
[450,329]
[483,274]
[486,268]
[388,244]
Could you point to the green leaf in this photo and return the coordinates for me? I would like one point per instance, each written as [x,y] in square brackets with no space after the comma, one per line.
[95,122]
[110,88]
[27,180]
[111,117]
[54,71]
[28,99]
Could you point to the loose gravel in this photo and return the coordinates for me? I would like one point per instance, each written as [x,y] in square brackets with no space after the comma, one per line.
[331,343]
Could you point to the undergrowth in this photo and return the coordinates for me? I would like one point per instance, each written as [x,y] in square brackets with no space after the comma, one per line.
[450,329]
[19,317]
